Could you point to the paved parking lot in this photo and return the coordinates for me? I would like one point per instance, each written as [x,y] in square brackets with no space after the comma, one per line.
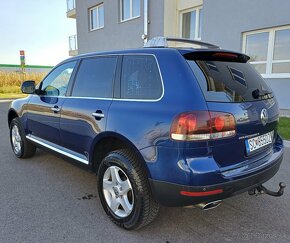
[41,200]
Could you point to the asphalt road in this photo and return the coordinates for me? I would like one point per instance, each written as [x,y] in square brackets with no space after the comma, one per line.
[41,201]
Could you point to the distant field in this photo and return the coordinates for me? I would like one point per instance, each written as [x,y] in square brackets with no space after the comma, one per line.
[10,82]
[11,96]
[28,68]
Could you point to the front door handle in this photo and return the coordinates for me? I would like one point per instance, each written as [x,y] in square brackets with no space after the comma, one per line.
[98,115]
[55,109]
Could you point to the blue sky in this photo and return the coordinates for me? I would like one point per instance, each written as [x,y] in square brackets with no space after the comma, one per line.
[40,27]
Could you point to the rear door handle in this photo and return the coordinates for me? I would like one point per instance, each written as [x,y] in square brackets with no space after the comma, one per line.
[98,115]
[55,109]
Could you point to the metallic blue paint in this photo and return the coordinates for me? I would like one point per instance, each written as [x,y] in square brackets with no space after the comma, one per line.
[78,124]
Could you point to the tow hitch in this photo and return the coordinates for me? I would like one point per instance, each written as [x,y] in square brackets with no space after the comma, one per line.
[259,190]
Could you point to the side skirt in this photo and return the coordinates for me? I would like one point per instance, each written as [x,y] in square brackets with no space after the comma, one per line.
[59,149]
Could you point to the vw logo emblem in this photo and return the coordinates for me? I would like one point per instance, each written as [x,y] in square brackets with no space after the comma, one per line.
[264,116]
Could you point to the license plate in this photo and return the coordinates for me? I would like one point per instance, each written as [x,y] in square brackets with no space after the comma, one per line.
[258,142]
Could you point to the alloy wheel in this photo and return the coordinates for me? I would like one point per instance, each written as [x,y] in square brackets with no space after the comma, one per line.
[16,139]
[118,191]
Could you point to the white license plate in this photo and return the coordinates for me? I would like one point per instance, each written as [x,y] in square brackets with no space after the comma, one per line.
[258,142]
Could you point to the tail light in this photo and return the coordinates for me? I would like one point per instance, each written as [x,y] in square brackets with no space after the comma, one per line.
[203,125]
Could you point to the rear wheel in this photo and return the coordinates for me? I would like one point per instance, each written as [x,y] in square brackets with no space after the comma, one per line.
[124,190]
[21,147]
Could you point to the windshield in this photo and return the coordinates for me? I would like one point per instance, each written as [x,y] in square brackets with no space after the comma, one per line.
[229,81]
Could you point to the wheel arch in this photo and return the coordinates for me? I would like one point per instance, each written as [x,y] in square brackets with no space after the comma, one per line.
[11,115]
[108,142]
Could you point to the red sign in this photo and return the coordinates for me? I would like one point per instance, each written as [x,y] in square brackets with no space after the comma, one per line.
[22,53]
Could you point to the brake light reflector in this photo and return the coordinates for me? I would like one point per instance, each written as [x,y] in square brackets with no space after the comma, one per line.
[203,125]
[200,194]
[225,55]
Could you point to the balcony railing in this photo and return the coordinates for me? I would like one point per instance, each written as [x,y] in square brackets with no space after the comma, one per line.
[71,4]
[71,8]
[73,45]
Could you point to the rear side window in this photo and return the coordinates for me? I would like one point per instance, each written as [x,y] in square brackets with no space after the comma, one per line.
[95,78]
[224,81]
[140,78]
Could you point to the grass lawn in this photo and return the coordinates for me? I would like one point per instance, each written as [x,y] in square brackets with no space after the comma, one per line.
[284,127]
[11,96]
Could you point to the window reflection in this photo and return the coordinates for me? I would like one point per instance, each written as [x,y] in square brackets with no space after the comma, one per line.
[282,45]
[257,46]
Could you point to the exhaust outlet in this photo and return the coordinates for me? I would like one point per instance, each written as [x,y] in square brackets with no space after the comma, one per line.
[208,205]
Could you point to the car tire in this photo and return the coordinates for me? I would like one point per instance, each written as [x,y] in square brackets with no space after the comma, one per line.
[122,180]
[21,147]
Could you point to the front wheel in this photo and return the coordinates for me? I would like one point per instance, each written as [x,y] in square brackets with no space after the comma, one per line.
[21,147]
[124,190]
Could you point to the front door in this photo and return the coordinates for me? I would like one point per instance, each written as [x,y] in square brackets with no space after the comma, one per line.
[45,106]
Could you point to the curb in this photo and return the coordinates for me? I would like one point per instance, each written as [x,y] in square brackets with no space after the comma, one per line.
[286,143]
[8,100]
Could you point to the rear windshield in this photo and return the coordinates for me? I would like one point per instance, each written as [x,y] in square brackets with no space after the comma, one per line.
[223,81]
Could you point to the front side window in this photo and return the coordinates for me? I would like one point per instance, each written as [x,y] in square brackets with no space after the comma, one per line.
[95,78]
[97,18]
[55,84]
[191,24]
[269,51]
[140,78]
[130,9]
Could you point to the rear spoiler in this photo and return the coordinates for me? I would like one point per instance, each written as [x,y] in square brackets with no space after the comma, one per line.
[214,55]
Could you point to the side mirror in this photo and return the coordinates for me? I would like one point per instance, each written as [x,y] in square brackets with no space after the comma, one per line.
[28,87]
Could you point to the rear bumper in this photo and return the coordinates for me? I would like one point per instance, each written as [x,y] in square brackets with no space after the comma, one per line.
[168,194]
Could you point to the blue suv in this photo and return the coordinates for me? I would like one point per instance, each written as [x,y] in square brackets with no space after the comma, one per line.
[159,125]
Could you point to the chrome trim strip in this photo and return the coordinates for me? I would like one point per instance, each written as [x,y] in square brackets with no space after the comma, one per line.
[76,97]
[161,78]
[34,139]
[123,54]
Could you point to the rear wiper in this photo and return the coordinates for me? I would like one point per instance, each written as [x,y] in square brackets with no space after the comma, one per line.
[258,93]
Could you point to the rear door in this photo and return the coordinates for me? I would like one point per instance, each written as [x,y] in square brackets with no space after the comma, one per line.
[233,86]
[84,113]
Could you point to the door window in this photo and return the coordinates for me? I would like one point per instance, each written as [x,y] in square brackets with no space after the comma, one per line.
[140,78]
[95,78]
[55,84]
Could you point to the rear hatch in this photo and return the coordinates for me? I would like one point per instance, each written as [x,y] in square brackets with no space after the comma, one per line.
[231,85]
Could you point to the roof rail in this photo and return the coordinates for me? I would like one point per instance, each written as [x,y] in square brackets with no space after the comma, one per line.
[162,42]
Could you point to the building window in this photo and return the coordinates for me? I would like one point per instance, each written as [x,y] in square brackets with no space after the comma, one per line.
[97,17]
[130,9]
[269,51]
[191,21]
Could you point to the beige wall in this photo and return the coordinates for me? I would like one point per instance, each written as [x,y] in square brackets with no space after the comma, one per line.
[172,9]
